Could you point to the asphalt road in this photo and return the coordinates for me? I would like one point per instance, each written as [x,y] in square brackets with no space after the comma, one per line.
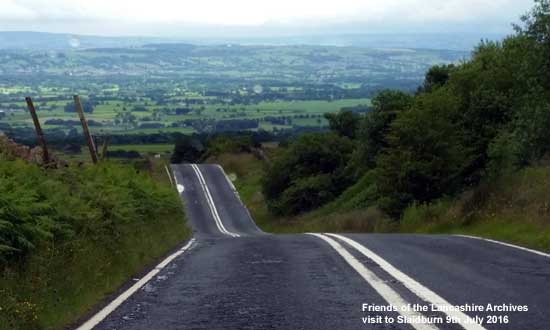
[234,276]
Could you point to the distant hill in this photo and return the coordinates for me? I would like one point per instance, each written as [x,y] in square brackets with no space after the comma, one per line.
[60,41]
[457,42]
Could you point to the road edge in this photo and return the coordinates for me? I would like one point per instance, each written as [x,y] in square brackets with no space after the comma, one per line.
[158,264]
[540,253]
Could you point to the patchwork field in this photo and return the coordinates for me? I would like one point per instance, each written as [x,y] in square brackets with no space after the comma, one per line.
[113,117]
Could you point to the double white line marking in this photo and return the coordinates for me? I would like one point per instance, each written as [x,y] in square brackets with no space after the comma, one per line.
[211,205]
[388,293]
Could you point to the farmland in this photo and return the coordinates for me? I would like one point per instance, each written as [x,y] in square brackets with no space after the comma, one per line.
[113,118]
[186,89]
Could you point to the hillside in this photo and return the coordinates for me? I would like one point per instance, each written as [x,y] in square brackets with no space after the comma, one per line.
[60,41]
[45,41]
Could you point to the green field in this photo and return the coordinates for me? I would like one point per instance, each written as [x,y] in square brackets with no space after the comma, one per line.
[117,117]
[144,148]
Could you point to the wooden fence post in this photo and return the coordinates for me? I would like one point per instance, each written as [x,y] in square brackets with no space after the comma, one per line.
[104,147]
[39,133]
[85,129]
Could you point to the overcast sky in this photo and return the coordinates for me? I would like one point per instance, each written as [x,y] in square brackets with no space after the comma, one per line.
[174,17]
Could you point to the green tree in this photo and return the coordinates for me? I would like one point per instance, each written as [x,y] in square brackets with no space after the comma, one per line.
[489,94]
[344,123]
[188,150]
[308,173]
[535,25]
[424,158]
[87,106]
[374,127]
[436,77]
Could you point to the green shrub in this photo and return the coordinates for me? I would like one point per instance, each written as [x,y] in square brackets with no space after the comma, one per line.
[305,194]
[426,157]
[229,144]
[419,216]
[70,236]
[308,173]
[504,155]
[362,194]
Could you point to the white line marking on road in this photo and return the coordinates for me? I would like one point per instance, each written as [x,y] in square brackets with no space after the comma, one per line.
[179,186]
[169,175]
[389,294]
[211,205]
[228,180]
[506,244]
[102,314]
[421,291]
[239,198]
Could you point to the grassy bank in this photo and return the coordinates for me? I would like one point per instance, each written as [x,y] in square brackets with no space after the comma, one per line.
[70,237]
[513,208]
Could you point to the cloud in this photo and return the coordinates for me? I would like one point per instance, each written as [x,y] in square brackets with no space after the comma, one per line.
[11,10]
[258,12]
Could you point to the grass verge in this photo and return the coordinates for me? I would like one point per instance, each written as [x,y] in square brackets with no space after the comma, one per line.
[514,208]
